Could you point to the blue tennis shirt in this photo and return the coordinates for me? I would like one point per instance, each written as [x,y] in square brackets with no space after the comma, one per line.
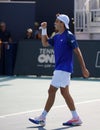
[63,49]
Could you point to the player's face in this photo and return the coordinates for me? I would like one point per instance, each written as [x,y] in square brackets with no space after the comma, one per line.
[58,24]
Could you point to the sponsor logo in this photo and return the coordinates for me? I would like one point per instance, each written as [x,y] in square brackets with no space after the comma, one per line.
[46,58]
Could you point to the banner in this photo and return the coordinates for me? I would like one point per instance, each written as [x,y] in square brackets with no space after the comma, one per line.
[34,59]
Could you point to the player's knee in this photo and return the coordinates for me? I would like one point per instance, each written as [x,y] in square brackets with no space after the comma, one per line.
[64,93]
[52,91]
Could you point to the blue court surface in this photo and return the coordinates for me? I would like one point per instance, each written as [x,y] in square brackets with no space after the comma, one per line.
[25,96]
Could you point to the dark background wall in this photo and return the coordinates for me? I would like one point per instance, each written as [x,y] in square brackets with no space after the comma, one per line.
[47,9]
[18,17]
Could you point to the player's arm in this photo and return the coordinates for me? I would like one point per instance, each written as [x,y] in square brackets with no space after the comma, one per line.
[85,72]
[44,37]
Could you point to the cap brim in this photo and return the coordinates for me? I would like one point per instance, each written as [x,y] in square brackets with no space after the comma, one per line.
[67,26]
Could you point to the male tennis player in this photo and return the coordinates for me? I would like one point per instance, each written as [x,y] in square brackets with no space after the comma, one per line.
[64,44]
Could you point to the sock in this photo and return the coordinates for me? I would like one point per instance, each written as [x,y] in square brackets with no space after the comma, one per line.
[44,113]
[74,114]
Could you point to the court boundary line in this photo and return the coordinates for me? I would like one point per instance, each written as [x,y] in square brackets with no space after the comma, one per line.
[54,107]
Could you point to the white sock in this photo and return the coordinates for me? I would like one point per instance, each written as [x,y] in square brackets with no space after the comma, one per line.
[44,113]
[74,114]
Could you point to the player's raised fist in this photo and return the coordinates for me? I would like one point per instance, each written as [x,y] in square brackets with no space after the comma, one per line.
[44,24]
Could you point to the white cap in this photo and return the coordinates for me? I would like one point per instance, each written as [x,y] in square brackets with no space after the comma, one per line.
[65,19]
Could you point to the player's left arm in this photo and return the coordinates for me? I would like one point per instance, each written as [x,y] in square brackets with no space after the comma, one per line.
[85,71]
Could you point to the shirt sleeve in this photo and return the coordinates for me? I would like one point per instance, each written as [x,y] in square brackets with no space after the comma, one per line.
[72,41]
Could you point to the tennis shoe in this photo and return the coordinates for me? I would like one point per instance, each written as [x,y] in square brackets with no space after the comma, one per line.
[38,120]
[73,122]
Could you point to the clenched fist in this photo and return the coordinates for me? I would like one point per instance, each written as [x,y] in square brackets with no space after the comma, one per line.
[44,25]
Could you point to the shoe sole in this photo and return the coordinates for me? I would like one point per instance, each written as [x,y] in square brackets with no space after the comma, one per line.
[72,124]
[67,124]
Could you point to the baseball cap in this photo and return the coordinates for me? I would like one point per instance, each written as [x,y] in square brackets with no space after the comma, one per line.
[65,19]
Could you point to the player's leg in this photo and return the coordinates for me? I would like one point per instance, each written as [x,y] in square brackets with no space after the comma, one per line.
[50,101]
[51,97]
[68,98]
[69,101]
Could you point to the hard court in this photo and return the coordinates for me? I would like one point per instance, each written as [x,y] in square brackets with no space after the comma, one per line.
[22,97]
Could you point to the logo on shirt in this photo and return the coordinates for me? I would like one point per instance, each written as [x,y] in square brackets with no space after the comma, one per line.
[61,40]
[72,41]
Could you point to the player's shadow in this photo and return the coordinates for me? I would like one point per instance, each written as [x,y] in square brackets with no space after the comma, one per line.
[63,128]
[38,127]
[42,128]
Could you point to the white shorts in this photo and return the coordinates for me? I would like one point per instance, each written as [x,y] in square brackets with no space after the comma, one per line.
[60,79]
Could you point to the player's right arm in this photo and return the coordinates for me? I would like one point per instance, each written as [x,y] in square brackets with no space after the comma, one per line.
[82,63]
[44,37]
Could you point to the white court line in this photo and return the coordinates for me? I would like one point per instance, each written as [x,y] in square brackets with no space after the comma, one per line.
[55,107]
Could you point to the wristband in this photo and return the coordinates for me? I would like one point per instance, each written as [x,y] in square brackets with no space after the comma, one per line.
[44,31]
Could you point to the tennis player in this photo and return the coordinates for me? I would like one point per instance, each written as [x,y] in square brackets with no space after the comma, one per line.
[64,44]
